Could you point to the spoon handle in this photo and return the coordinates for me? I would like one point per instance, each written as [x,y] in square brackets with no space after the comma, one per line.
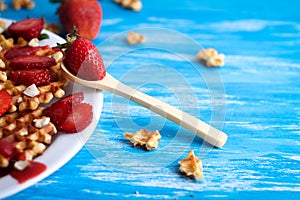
[208,133]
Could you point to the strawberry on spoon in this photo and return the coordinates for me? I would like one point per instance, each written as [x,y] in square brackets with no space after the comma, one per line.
[82,58]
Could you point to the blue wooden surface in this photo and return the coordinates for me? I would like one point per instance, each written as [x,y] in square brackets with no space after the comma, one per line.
[254,98]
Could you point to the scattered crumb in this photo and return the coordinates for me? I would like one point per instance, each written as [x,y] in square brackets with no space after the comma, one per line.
[210,57]
[27,4]
[135,5]
[144,138]
[135,38]
[3,6]
[191,166]
[2,22]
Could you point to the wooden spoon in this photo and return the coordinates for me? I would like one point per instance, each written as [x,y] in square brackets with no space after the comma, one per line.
[108,83]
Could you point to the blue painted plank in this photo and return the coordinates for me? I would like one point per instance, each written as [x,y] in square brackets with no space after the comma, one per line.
[260,112]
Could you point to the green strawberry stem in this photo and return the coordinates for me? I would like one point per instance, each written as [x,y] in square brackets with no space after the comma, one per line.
[70,38]
[43,36]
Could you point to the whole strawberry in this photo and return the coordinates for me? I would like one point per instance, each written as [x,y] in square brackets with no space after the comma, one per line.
[86,15]
[83,59]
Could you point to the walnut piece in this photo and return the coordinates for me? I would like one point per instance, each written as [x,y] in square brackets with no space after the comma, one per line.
[144,138]
[191,166]
[3,6]
[135,38]
[210,57]
[27,4]
[135,5]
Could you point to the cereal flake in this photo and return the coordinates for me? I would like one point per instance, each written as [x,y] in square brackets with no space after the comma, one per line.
[144,138]
[135,38]
[210,57]
[191,166]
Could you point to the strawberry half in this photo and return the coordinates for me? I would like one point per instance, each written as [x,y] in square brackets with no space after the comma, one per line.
[59,111]
[83,59]
[80,118]
[27,28]
[33,76]
[18,51]
[5,101]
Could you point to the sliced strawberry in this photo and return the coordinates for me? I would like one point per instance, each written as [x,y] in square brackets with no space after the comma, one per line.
[7,149]
[28,77]
[5,101]
[73,99]
[27,28]
[18,51]
[80,118]
[59,111]
[32,62]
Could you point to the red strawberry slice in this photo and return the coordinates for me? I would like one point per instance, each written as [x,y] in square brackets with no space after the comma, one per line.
[80,118]
[59,111]
[7,149]
[5,101]
[28,77]
[27,28]
[83,59]
[73,99]
[32,62]
[18,51]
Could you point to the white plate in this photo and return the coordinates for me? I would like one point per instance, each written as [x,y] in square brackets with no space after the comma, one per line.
[65,146]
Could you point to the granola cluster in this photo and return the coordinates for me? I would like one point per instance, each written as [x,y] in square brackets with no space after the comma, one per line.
[210,57]
[144,138]
[18,4]
[191,166]
[135,38]
[135,5]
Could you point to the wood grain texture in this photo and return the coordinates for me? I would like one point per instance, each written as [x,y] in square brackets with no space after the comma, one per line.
[254,98]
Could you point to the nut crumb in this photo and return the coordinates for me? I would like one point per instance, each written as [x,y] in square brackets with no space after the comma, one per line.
[135,5]
[27,4]
[144,138]
[135,38]
[210,57]
[191,166]
[3,6]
